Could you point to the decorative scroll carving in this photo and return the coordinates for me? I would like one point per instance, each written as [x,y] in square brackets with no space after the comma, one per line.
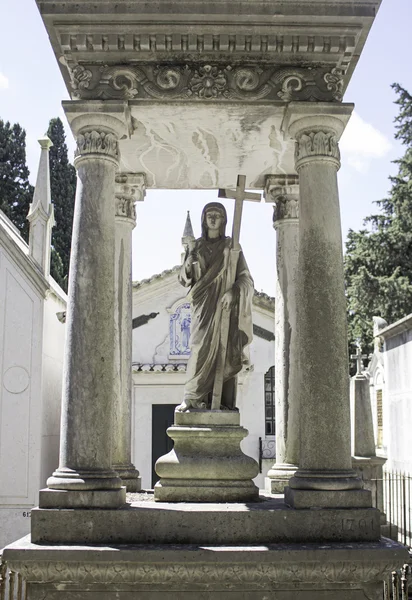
[334,82]
[317,143]
[97,142]
[81,77]
[206,82]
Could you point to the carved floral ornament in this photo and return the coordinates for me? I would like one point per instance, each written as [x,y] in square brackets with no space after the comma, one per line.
[204,574]
[125,209]
[317,144]
[286,208]
[97,142]
[205,82]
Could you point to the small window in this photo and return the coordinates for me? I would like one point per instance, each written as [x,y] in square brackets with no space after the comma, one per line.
[379,414]
[270,428]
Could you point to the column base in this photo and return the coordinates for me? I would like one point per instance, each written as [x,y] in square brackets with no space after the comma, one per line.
[67,488]
[130,477]
[278,477]
[328,498]
[84,480]
[327,489]
[82,498]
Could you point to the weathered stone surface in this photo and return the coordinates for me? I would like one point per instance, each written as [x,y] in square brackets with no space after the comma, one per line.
[283,191]
[325,453]
[363,441]
[49,498]
[87,404]
[129,189]
[263,522]
[206,463]
[284,571]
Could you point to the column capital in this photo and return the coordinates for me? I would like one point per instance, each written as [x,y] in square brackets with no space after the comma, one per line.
[97,135]
[129,188]
[283,191]
[317,129]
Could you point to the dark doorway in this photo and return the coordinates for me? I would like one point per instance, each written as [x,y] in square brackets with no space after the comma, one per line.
[163,416]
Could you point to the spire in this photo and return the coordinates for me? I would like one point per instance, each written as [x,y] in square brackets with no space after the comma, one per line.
[188,235]
[41,213]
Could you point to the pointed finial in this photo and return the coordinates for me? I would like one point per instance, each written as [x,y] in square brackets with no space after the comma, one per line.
[188,235]
[41,213]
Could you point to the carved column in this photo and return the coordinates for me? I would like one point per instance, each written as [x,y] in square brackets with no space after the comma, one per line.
[85,473]
[283,190]
[325,477]
[129,189]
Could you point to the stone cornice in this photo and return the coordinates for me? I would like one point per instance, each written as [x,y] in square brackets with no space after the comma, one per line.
[214,81]
[404,324]
[328,32]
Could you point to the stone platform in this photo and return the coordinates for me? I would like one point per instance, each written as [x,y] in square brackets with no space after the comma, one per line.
[267,521]
[194,572]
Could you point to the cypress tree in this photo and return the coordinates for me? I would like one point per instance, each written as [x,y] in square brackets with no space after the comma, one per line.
[63,189]
[15,190]
[378,261]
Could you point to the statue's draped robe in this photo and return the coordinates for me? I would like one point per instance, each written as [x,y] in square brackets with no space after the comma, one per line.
[208,282]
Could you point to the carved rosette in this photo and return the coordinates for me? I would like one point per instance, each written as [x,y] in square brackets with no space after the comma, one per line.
[101,143]
[317,145]
[283,191]
[130,188]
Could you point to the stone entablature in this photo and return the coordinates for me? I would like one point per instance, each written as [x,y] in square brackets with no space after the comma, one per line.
[328,34]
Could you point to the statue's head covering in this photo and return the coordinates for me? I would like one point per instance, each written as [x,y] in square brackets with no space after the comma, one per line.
[218,207]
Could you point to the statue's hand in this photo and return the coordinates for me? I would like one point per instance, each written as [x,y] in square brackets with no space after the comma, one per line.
[228,300]
[193,257]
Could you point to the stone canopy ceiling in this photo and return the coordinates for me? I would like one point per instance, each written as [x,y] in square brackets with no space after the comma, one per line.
[202,86]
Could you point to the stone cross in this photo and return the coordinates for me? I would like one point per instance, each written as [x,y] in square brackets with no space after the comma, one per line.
[239,195]
[359,360]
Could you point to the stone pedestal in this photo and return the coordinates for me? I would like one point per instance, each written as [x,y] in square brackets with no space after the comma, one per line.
[85,476]
[325,476]
[193,572]
[206,463]
[283,190]
[129,189]
[364,460]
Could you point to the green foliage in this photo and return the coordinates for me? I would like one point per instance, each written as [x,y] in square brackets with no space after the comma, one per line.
[378,260]
[63,189]
[15,190]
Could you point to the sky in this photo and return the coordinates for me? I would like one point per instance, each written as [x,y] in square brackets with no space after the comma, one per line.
[31,91]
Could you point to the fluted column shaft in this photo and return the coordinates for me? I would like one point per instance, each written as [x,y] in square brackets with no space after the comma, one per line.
[283,190]
[87,404]
[325,450]
[129,189]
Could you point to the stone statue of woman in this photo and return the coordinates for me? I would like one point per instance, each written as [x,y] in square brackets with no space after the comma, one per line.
[205,270]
